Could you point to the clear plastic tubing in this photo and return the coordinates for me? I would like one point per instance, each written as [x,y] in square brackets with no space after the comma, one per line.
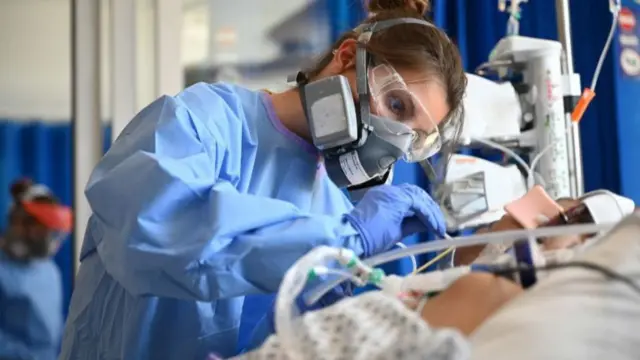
[499,237]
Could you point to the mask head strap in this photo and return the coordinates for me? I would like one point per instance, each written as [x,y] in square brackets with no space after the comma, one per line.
[363,60]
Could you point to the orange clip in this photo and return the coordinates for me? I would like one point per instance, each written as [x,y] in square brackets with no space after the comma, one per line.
[582,105]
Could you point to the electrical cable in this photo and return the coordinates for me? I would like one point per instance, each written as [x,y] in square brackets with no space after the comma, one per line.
[414,263]
[531,182]
[434,260]
[528,169]
[605,50]
[506,151]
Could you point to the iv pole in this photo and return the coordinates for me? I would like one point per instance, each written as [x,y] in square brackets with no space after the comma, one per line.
[563,17]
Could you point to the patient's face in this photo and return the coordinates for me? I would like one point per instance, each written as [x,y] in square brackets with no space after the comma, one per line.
[555,243]
[564,242]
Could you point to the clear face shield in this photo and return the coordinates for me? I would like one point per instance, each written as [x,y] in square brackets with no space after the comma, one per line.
[57,222]
[391,98]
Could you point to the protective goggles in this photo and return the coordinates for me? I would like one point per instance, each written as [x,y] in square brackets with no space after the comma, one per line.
[391,98]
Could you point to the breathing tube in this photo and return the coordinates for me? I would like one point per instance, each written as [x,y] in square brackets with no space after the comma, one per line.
[483,239]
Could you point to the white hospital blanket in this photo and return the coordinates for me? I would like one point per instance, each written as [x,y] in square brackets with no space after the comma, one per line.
[368,327]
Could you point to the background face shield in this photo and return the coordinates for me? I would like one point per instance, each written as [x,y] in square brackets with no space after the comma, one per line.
[53,216]
[57,219]
[392,99]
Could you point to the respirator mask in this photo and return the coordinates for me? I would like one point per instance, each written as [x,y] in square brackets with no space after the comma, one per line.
[360,141]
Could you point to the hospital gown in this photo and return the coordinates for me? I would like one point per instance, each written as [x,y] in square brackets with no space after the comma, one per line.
[203,199]
[370,326]
[30,309]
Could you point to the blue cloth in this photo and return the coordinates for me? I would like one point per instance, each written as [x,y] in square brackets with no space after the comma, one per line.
[204,198]
[30,309]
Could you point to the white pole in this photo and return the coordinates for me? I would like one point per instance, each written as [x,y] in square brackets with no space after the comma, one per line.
[87,125]
[563,17]
[168,34]
[123,64]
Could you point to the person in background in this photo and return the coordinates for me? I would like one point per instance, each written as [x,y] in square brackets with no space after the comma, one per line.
[210,195]
[30,284]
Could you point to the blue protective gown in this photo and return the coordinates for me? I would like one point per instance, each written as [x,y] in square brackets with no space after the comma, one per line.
[203,199]
[30,309]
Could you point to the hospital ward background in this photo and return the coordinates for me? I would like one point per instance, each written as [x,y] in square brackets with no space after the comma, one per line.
[73,73]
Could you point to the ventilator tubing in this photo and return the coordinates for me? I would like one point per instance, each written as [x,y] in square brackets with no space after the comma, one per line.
[292,285]
[500,237]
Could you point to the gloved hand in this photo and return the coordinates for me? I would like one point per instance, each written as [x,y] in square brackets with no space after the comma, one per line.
[387,214]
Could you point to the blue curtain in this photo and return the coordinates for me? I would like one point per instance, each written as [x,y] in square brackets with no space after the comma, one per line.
[627,94]
[42,152]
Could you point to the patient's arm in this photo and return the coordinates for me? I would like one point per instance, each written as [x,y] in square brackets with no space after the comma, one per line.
[469,301]
[468,254]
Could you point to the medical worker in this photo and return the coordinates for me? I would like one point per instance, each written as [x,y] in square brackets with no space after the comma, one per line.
[211,195]
[30,284]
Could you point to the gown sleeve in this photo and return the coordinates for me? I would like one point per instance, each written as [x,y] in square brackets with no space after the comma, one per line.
[167,224]
[13,348]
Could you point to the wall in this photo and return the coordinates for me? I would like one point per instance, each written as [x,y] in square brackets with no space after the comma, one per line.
[35,52]
[35,48]
[239,27]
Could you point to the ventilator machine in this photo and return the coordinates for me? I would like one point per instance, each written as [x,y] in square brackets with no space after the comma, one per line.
[532,110]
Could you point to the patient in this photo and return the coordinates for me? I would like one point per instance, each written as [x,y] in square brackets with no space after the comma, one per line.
[475,316]
[573,313]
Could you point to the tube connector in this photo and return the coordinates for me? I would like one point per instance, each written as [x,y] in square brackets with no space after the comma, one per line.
[392,285]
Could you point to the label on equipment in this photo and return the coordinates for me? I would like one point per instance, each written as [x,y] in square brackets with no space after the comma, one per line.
[352,168]
[630,62]
[627,20]
[630,40]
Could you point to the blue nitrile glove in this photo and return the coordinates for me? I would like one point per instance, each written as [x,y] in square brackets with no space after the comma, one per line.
[266,327]
[387,214]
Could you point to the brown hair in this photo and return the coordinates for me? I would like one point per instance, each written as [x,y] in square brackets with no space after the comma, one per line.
[415,47]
